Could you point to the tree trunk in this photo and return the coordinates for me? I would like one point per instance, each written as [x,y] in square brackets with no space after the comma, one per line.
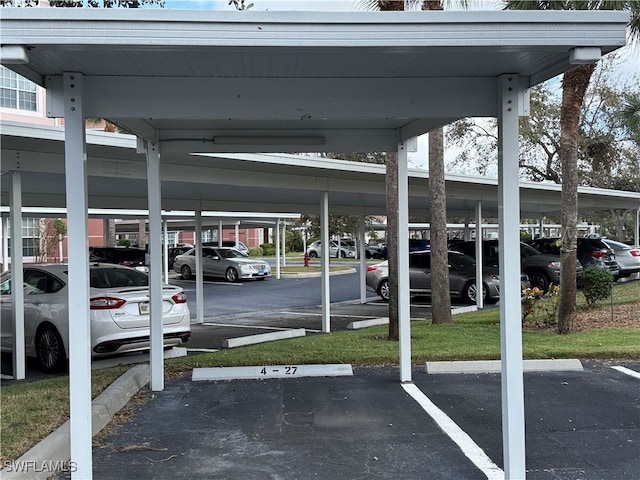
[391,184]
[574,86]
[440,297]
[142,233]
[391,181]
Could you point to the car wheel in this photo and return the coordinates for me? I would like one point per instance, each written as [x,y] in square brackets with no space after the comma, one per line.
[383,290]
[538,279]
[470,292]
[185,271]
[231,274]
[50,349]
[343,254]
[367,254]
[313,254]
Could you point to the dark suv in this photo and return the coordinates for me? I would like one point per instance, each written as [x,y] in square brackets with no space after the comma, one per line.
[127,256]
[591,252]
[542,269]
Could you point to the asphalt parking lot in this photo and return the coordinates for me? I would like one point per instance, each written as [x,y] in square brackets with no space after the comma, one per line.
[580,425]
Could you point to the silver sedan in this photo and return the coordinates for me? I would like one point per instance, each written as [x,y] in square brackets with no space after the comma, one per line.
[462,281]
[118,312]
[222,262]
[627,257]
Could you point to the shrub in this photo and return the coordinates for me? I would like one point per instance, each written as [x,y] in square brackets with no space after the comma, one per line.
[268,249]
[256,252]
[596,284]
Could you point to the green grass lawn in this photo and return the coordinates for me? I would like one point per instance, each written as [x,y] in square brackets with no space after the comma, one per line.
[30,411]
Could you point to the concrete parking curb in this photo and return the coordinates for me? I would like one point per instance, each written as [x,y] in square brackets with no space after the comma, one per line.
[313,274]
[53,452]
[495,366]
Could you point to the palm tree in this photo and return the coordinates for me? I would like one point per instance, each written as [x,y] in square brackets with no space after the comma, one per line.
[574,86]
[440,299]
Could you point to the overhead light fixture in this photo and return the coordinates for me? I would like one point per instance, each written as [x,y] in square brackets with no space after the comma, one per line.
[584,55]
[14,55]
[269,140]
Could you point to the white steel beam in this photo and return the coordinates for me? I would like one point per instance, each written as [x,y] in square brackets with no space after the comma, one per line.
[277,242]
[199,271]
[404,308]
[78,287]
[479,266]
[155,268]
[509,254]
[116,96]
[324,260]
[165,249]
[362,253]
[17,278]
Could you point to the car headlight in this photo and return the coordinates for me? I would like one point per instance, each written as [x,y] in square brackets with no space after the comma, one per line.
[494,277]
[554,264]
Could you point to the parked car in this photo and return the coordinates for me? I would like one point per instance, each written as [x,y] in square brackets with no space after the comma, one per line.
[314,250]
[222,262]
[372,251]
[627,257]
[118,315]
[127,256]
[173,252]
[591,252]
[462,277]
[415,245]
[541,269]
[230,244]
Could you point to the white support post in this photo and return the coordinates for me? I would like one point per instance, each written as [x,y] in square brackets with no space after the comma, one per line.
[637,231]
[324,262]
[155,268]
[284,243]
[362,253]
[479,267]
[5,245]
[220,229]
[165,249]
[404,307]
[509,254]
[78,287]
[17,278]
[540,228]
[236,231]
[277,244]
[199,270]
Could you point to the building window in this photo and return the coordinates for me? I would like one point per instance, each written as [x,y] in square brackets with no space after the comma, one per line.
[30,237]
[17,92]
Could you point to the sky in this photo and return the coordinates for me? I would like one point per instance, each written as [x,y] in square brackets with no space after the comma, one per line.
[262,5]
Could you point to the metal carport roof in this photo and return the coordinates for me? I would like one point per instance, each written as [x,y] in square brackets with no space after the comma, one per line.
[253,182]
[208,81]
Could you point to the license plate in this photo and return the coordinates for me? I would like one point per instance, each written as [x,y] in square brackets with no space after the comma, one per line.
[144,308]
[260,272]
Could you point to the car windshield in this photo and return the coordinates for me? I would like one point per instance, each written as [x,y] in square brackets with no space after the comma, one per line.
[528,250]
[117,278]
[461,261]
[231,253]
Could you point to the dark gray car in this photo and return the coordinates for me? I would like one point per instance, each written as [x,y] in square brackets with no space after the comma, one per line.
[542,269]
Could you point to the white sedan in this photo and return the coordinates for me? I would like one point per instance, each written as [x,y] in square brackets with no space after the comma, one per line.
[119,312]
[223,262]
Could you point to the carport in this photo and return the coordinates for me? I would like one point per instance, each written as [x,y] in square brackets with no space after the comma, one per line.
[219,82]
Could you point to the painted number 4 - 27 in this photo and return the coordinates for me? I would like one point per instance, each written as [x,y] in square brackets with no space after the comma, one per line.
[281,371]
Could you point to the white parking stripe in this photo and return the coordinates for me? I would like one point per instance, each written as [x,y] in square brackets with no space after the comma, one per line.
[627,371]
[471,450]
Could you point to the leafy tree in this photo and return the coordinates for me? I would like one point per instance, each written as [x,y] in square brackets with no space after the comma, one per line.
[51,231]
[574,87]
